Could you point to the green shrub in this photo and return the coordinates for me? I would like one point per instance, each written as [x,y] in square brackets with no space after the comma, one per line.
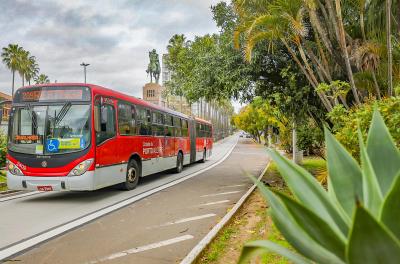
[3,150]
[346,122]
[355,221]
[310,138]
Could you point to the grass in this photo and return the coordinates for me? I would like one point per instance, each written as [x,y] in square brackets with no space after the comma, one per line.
[219,245]
[3,179]
[230,236]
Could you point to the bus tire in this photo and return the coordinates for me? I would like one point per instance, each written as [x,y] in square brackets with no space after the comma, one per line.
[204,156]
[179,163]
[132,176]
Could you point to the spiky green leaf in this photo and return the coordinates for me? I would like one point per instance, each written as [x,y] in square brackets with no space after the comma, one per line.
[382,151]
[315,227]
[390,212]
[256,248]
[370,242]
[344,174]
[293,232]
[371,191]
[309,192]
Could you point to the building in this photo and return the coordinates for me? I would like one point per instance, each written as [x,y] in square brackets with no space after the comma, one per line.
[153,93]
[6,107]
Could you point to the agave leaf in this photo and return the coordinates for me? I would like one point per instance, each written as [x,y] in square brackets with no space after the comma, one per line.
[293,232]
[370,242]
[382,151]
[372,193]
[344,174]
[315,227]
[309,192]
[390,212]
[256,248]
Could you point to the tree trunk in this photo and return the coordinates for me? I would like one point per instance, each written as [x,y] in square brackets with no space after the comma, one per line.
[13,84]
[377,90]
[389,46]
[342,41]
[23,80]
[322,96]
[294,143]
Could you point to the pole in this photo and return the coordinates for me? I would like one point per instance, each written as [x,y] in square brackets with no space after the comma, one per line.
[84,65]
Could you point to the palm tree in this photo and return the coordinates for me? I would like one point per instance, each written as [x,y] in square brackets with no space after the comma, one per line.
[24,64]
[282,22]
[389,46]
[32,69]
[11,58]
[42,79]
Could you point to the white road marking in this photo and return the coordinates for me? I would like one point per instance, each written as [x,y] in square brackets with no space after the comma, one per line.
[183,220]
[232,186]
[12,197]
[195,252]
[218,194]
[30,242]
[143,248]
[217,202]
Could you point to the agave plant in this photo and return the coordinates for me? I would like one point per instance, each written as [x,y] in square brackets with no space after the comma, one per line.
[355,221]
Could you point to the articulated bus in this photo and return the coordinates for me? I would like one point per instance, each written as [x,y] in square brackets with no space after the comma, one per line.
[85,137]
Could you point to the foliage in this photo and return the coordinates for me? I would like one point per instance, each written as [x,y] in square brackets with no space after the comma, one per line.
[328,40]
[19,60]
[258,117]
[345,122]
[3,150]
[355,221]
[42,79]
[310,138]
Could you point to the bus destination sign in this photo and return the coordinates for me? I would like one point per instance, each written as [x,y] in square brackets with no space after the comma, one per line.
[51,95]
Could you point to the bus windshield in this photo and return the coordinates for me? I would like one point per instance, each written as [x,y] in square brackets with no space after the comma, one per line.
[50,129]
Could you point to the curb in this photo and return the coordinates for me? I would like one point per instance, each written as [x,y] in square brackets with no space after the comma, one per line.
[199,248]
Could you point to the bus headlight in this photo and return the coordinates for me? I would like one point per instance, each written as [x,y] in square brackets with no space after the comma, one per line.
[81,168]
[13,169]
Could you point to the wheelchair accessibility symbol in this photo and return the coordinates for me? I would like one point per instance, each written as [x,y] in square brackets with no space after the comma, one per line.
[52,145]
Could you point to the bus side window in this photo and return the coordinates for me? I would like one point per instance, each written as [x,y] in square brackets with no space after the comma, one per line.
[106,129]
[126,119]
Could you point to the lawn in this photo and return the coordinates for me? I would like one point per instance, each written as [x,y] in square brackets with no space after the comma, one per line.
[253,222]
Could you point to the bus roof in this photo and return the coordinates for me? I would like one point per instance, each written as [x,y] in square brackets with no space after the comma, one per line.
[119,95]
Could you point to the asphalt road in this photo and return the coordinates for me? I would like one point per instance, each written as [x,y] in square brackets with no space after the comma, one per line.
[155,224]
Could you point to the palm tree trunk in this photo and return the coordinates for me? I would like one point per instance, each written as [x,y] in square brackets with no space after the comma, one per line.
[322,96]
[389,46]
[320,30]
[377,90]
[342,42]
[13,84]
[23,81]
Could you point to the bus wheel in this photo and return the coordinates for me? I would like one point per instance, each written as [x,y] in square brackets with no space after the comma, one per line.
[179,163]
[132,176]
[204,156]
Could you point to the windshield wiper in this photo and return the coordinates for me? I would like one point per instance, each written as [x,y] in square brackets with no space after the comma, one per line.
[63,112]
[30,112]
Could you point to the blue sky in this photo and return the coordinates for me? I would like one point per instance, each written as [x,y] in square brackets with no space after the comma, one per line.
[114,36]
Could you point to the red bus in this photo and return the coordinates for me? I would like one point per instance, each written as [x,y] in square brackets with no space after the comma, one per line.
[86,137]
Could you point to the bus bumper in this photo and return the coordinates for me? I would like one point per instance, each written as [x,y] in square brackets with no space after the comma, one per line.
[84,182]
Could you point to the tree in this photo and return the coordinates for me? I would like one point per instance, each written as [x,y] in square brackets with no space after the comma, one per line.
[42,79]
[11,58]
[32,69]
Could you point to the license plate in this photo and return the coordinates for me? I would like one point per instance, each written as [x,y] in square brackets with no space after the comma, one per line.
[45,188]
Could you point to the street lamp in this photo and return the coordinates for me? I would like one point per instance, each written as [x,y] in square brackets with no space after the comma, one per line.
[84,65]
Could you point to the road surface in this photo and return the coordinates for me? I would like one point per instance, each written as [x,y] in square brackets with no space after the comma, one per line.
[159,222]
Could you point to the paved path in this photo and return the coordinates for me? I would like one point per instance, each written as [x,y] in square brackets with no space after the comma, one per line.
[160,228]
